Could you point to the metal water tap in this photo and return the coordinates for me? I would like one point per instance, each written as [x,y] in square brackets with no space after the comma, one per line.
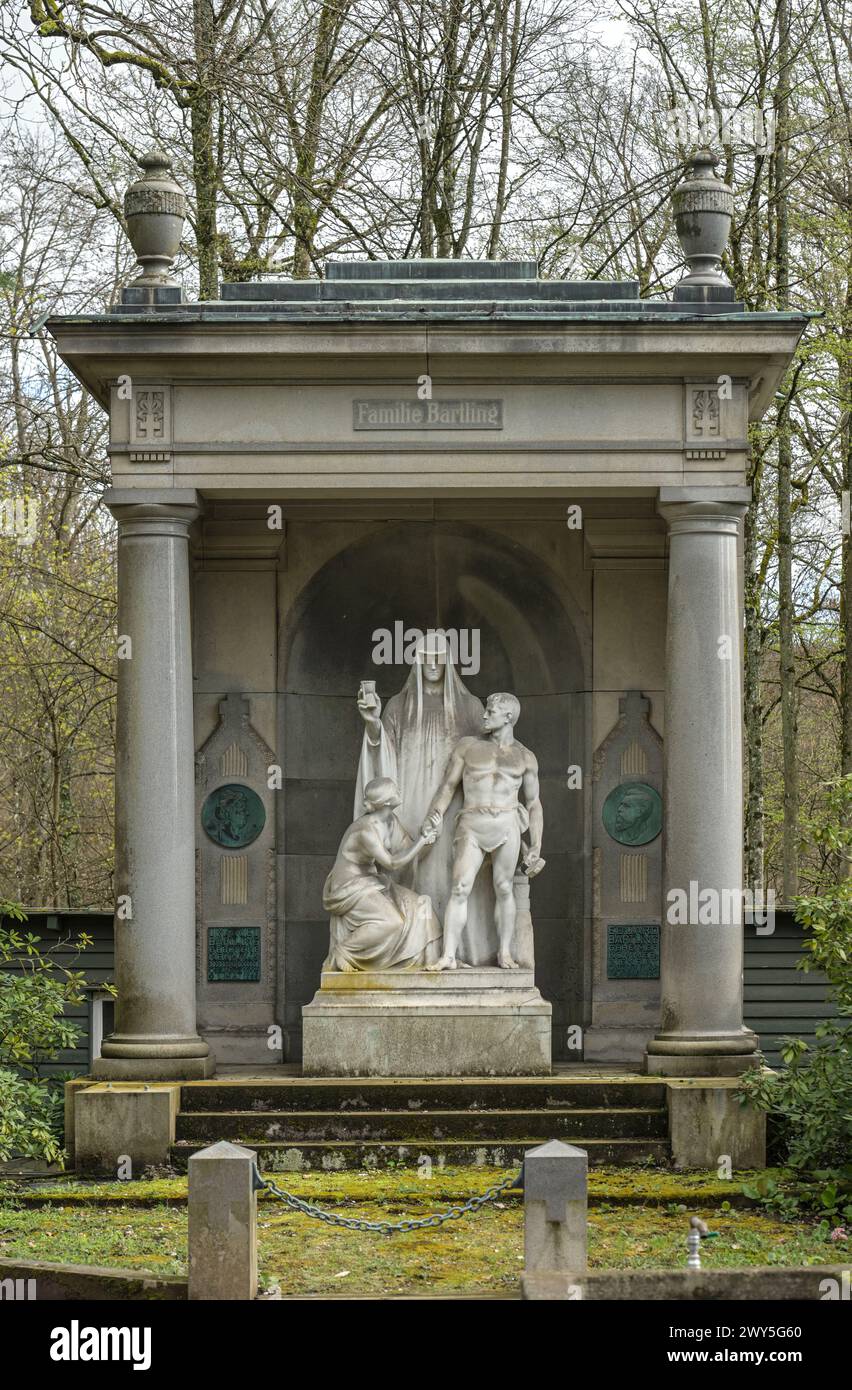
[698,1231]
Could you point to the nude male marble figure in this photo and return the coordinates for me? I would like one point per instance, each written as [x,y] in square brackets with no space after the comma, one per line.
[492,771]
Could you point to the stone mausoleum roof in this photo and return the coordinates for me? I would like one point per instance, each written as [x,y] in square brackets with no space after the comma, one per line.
[411,292]
[435,291]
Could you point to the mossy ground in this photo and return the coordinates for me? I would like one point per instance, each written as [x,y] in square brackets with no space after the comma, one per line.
[637,1219]
[638,1183]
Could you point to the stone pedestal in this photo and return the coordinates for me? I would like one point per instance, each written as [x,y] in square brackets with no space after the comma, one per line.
[707,1125]
[155,1037]
[466,1022]
[702,1032]
[117,1122]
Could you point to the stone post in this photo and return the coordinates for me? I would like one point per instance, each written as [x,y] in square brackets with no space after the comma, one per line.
[222,1223]
[555,1216]
[701,1028]
[155,1037]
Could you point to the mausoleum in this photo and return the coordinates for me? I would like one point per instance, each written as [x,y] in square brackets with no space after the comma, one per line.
[536,486]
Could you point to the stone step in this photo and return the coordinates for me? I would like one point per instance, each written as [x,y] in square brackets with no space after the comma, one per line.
[458,289]
[325,1155]
[299,1093]
[401,1126]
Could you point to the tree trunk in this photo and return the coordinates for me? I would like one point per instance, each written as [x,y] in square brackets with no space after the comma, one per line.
[508,59]
[846,571]
[786,616]
[787,670]
[754,830]
[204,168]
[305,204]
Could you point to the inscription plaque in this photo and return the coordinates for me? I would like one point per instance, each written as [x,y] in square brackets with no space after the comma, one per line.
[427,415]
[633,952]
[233,953]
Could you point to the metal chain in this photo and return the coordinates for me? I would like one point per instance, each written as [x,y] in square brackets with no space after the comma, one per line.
[357,1223]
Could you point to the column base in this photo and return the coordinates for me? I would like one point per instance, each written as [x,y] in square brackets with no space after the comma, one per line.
[702,1054]
[154,1057]
[154,1068]
[700,1066]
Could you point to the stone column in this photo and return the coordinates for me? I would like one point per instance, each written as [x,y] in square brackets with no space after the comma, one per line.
[701,1029]
[155,1037]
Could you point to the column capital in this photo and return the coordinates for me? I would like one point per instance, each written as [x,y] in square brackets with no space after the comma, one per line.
[703,509]
[151,505]
[720,494]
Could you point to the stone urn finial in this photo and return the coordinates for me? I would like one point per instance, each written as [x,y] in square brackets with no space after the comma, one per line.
[703,208]
[155,209]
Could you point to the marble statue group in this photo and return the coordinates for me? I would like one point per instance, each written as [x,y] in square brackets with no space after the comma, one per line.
[438,792]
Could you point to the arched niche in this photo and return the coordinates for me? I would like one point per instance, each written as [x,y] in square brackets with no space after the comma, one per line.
[428,574]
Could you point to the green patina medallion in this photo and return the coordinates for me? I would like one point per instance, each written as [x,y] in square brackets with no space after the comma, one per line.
[233,816]
[633,813]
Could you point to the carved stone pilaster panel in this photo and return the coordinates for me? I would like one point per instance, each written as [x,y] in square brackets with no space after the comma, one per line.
[236,889]
[707,418]
[150,423]
[627,848]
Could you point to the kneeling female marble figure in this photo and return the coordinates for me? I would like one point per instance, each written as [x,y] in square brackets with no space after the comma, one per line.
[377,924]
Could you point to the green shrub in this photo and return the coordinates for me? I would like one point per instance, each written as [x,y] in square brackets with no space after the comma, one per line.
[812,1098]
[34,990]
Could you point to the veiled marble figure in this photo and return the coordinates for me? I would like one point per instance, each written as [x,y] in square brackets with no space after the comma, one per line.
[411,742]
[376,923]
